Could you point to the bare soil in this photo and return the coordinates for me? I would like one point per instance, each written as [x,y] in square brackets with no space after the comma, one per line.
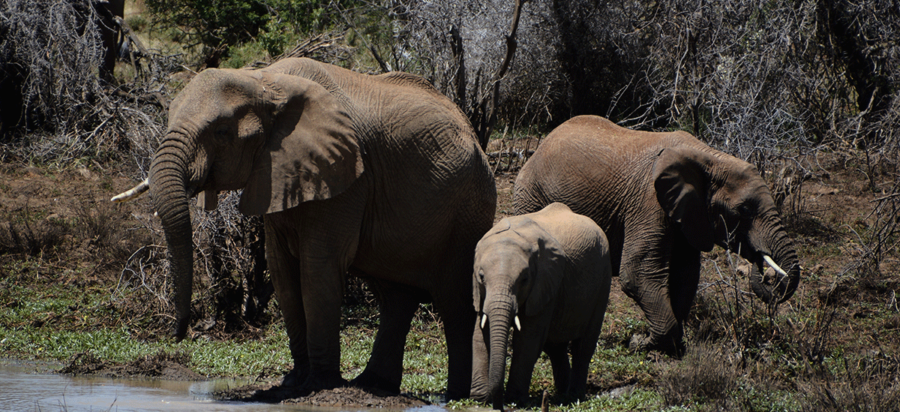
[160,366]
[338,397]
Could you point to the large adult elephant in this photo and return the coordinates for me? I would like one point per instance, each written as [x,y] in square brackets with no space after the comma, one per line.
[378,176]
[661,198]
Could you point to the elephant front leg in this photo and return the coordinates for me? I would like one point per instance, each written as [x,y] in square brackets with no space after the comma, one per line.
[322,287]
[526,350]
[684,276]
[665,331]
[649,287]
[397,305]
[285,271]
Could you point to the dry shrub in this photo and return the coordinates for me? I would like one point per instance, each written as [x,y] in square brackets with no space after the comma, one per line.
[706,374]
[104,227]
[726,312]
[52,50]
[25,233]
[871,384]
[55,108]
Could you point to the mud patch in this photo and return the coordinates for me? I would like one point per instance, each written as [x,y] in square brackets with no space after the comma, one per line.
[164,366]
[338,397]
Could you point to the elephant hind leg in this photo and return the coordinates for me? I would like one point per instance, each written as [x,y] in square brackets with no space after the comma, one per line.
[458,315]
[397,304]
[582,351]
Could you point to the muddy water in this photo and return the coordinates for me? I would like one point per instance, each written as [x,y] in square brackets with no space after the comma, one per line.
[31,387]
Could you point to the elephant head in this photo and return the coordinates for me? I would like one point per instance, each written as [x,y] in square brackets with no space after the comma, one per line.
[715,199]
[516,271]
[282,139]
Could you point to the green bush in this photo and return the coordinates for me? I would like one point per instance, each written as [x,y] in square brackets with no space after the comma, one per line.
[222,26]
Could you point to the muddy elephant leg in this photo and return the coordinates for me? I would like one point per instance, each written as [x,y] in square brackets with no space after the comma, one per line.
[285,271]
[559,358]
[397,304]
[480,367]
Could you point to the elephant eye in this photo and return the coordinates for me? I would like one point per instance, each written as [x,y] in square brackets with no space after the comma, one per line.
[222,131]
[481,277]
[745,210]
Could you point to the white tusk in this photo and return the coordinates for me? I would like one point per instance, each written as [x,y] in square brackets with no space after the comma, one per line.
[774,265]
[518,325]
[132,193]
[483,320]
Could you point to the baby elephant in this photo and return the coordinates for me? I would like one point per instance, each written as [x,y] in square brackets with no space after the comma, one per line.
[548,273]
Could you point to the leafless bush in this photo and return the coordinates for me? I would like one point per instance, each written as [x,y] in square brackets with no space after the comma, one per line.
[100,224]
[871,384]
[231,254]
[53,48]
[25,233]
[881,236]
[706,374]
[50,54]
[460,45]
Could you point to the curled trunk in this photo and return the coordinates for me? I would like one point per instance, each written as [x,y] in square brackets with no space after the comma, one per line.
[168,190]
[782,286]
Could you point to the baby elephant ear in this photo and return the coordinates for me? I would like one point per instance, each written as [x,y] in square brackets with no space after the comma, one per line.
[311,151]
[548,274]
[681,184]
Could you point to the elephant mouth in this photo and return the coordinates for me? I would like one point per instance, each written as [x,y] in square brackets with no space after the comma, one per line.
[769,281]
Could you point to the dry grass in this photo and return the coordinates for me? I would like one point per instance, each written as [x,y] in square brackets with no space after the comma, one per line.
[706,374]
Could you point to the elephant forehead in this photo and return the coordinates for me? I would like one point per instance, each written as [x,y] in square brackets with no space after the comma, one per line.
[503,250]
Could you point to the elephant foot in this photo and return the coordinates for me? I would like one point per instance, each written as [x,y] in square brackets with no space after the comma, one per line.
[368,379]
[317,381]
[519,398]
[669,346]
[295,378]
[480,396]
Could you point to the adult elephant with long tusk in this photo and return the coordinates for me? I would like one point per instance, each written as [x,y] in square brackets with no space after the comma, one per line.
[377,176]
[661,198]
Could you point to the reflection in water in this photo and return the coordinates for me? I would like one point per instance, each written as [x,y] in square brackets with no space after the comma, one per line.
[23,389]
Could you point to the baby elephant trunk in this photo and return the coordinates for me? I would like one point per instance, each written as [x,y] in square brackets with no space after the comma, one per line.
[499,316]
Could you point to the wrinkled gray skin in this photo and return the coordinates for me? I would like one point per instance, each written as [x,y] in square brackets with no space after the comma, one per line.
[379,176]
[552,270]
[661,198]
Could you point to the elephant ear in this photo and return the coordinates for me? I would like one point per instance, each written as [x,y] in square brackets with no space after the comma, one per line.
[500,227]
[681,184]
[548,274]
[312,151]
[476,293]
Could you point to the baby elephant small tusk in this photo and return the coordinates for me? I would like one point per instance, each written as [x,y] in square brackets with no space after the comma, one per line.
[483,320]
[774,265]
[518,325]
[132,193]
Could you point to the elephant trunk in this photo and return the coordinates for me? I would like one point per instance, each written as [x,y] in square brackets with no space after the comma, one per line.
[500,315]
[783,259]
[168,177]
